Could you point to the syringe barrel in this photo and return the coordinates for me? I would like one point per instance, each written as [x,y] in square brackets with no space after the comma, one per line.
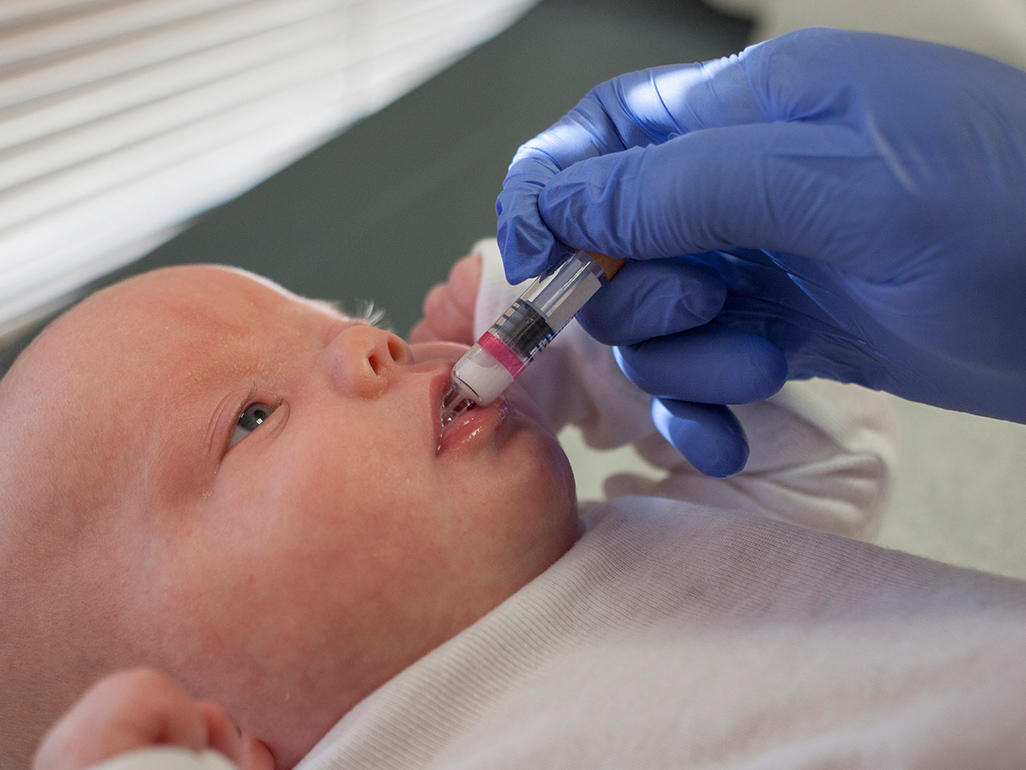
[541,312]
[559,295]
[480,376]
[527,326]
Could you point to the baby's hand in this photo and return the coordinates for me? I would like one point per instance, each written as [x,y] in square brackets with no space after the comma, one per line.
[449,307]
[139,708]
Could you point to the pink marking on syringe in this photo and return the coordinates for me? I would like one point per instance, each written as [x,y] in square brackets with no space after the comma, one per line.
[501,353]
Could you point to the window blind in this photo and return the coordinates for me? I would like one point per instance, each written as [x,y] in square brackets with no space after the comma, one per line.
[122,119]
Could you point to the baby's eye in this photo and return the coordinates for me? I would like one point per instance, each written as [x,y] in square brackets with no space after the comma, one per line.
[251,417]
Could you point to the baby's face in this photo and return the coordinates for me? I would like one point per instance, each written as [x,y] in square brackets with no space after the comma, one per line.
[288,536]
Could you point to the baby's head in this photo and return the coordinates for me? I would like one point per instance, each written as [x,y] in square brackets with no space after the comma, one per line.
[202,472]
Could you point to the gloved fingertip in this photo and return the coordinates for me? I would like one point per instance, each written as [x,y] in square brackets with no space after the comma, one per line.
[728,460]
[709,436]
[767,369]
[525,249]
[705,299]
[515,273]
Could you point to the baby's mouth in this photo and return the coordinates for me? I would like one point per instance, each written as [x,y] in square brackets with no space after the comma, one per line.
[453,405]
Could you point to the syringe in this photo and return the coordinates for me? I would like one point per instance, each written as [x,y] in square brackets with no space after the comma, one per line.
[523,331]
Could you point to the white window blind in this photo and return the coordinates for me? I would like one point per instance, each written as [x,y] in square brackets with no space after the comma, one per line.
[121,119]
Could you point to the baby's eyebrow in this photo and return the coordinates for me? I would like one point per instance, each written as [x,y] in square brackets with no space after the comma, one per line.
[329,306]
[366,311]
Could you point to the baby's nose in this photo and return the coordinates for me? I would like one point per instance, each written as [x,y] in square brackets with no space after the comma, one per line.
[362,358]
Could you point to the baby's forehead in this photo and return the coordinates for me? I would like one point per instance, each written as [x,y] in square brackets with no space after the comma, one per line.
[200,285]
[166,322]
[158,318]
[221,300]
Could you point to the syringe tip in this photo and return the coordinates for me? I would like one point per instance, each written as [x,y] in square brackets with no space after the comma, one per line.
[454,404]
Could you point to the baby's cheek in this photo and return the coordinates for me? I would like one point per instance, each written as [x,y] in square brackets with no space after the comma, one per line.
[525,405]
[534,492]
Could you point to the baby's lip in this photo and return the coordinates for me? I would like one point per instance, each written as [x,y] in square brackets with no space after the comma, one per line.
[439,385]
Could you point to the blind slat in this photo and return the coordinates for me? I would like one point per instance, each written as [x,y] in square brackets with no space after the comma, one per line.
[18,13]
[56,77]
[40,41]
[109,101]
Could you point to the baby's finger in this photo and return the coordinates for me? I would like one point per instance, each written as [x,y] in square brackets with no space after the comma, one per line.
[223,734]
[425,330]
[422,332]
[124,711]
[465,282]
[445,317]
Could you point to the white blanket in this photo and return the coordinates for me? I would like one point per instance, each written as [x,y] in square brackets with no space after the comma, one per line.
[676,633]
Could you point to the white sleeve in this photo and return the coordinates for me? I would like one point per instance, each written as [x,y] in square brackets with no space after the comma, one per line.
[166,758]
[821,452]
[822,457]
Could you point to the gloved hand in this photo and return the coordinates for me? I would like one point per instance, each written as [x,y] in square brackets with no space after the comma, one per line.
[862,198]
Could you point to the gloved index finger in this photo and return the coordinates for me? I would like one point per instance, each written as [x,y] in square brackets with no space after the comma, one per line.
[641,108]
[527,245]
[634,110]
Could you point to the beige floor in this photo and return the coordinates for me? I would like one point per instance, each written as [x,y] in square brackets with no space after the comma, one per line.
[960,492]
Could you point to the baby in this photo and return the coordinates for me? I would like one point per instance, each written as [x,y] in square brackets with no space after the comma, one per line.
[206,474]
[223,491]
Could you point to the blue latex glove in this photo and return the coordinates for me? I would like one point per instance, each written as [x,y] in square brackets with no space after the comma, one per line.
[861,197]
